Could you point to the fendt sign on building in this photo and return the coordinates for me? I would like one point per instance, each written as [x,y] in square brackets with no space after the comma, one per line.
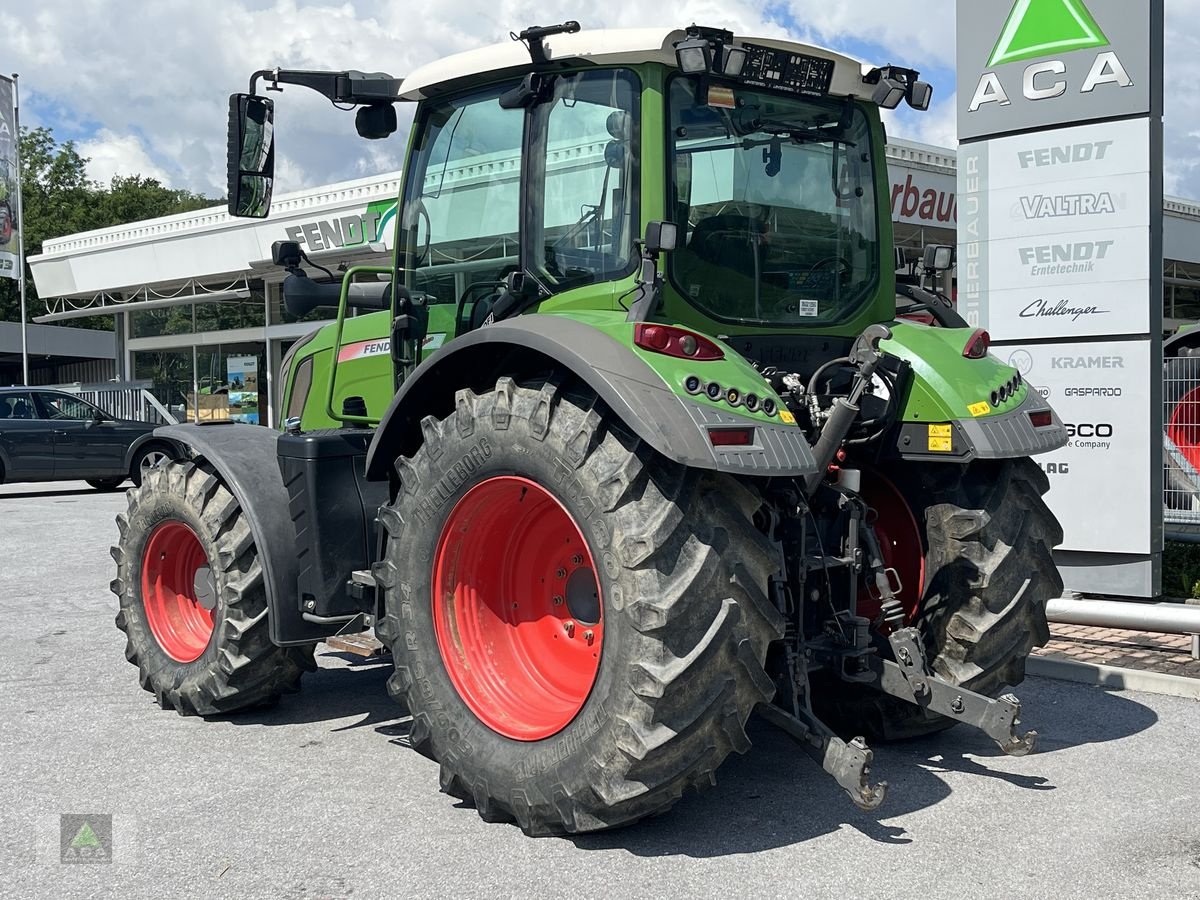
[1060,254]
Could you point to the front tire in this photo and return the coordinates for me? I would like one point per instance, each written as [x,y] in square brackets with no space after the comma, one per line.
[193,605]
[679,617]
[988,573]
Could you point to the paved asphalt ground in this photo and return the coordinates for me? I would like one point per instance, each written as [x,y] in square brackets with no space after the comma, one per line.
[321,797]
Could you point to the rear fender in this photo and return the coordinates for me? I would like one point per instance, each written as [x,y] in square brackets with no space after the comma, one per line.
[534,344]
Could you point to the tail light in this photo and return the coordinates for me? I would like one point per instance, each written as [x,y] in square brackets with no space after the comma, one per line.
[677,342]
[1041,418]
[977,344]
[731,437]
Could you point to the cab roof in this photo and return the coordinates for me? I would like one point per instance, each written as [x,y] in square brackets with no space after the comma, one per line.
[607,47]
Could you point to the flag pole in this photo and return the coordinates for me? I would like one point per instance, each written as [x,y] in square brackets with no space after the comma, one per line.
[21,234]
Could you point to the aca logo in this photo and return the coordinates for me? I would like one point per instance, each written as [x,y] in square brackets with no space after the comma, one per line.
[1044,30]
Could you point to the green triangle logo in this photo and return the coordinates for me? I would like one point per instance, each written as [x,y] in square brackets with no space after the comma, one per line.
[1044,27]
[85,838]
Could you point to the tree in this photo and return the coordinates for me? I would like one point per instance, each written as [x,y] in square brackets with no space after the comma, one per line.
[60,199]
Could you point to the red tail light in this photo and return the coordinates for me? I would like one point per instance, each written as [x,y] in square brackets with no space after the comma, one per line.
[1041,418]
[672,341]
[731,437]
[977,345]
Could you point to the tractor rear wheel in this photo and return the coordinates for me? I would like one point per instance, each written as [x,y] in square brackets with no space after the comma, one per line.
[193,603]
[578,626]
[987,574]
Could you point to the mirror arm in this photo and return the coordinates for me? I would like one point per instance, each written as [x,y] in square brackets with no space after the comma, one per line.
[351,86]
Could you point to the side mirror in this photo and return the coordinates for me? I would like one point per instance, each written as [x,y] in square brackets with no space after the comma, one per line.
[251,155]
[97,417]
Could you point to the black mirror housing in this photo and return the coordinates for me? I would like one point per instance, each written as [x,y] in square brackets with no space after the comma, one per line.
[376,121]
[250,164]
[286,254]
[661,236]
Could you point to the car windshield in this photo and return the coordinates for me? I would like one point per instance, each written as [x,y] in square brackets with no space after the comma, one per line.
[775,199]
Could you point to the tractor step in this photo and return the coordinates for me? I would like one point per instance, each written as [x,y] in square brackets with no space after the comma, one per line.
[362,644]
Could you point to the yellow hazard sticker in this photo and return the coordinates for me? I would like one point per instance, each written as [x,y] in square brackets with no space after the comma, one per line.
[982,408]
[940,439]
[787,417]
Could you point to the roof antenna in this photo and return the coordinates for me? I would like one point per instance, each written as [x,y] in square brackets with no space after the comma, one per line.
[532,38]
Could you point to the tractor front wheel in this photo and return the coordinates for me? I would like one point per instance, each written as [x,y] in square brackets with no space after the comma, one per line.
[579,626]
[193,606]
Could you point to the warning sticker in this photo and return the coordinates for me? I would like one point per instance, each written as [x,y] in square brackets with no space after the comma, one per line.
[941,439]
[982,408]
[808,308]
[787,417]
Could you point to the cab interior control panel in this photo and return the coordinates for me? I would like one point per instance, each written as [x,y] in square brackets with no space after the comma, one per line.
[787,71]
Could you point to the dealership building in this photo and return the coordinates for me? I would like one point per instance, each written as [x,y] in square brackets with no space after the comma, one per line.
[196,302]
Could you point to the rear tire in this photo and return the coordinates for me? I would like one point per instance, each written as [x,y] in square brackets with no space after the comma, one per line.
[193,603]
[988,574]
[682,573]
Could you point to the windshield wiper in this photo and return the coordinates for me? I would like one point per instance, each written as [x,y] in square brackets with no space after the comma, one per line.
[813,134]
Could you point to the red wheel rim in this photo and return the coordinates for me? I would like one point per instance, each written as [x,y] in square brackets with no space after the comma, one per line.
[517,608]
[900,543]
[177,591]
[1184,427]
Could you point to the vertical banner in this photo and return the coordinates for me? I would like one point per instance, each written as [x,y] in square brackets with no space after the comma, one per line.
[10,264]
[1060,254]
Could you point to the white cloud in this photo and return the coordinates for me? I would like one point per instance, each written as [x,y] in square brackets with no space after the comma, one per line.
[110,154]
[153,77]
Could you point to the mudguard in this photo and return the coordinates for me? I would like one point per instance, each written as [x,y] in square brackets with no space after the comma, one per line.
[245,458]
[675,427]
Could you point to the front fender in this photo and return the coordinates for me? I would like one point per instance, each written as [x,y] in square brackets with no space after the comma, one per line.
[674,426]
[245,457]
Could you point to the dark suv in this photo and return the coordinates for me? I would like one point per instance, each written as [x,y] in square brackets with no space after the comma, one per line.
[55,436]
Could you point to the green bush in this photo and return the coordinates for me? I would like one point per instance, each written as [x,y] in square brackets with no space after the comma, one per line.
[1181,570]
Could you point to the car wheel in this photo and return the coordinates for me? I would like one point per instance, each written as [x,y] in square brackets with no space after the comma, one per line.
[148,458]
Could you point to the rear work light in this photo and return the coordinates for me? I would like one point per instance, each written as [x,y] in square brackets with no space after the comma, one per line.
[1041,418]
[977,344]
[731,437]
[677,342]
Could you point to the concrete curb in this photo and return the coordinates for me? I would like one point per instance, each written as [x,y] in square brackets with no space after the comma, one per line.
[1114,677]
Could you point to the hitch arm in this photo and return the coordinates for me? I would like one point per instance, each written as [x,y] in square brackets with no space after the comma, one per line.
[848,763]
[910,679]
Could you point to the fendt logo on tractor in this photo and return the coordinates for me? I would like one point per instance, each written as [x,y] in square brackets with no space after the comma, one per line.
[1037,29]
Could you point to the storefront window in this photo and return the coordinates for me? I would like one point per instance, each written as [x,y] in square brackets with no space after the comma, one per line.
[222,315]
[170,375]
[157,322]
[232,380]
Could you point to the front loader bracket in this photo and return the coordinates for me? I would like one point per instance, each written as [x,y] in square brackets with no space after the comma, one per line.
[848,763]
[909,679]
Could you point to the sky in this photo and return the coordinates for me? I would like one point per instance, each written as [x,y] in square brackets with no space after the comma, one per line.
[142,87]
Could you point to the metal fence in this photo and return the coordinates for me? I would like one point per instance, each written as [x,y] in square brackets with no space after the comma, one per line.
[123,399]
[1181,445]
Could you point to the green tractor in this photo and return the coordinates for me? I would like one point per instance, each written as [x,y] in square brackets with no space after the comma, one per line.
[626,444]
